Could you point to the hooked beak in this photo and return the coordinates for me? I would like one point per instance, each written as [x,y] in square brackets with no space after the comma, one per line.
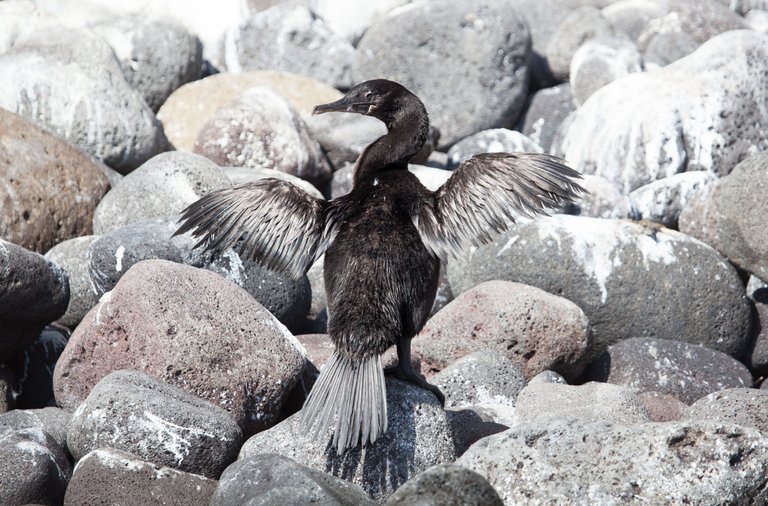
[344,104]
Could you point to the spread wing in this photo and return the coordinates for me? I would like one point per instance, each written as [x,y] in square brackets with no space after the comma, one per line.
[480,198]
[270,221]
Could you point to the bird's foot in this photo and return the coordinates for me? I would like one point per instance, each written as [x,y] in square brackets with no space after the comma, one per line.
[412,376]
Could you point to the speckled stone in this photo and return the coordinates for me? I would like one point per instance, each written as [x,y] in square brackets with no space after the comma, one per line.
[53,421]
[447,485]
[747,407]
[497,140]
[662,201]
[72,256]
[687,371]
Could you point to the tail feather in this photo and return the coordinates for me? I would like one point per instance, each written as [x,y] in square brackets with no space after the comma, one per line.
[350,396]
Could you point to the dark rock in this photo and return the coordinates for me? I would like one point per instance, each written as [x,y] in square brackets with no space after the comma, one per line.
[578,27]
[699,217]
[747,407]
[577,462]
[663,200]
[190,328]
[33,468]
[497,140]
[757,356]
[663,407]
[600,61]
[110,476]
[290,37]
[543,403]
[630,279]
[155,56]
[447,485]
[157,422]
[480,378]
[194,104]
[53,421]
[262,479]
[260,129]
[486,43]
[532,328]
[471,425]
[651,125]
[72,256]
[160,188]
[98,111]
[7,385]
[547,109]
[37,167]
[687,371]
[33,291]
[34,368]
[418,437]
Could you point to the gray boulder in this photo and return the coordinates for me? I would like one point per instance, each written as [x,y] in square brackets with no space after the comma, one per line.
[651,125]
[263,479]
[600,61]
[588,462]
[747,407]
[158,422]
[605,199]
[546,110]
[52,421]
[447,485]
[630,279]
[687,371]
[757,357]
[418,437]
[497,140]
[72,256]
[486,43]
[663,200]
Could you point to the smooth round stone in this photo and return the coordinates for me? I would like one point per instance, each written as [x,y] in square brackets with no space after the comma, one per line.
[632,16]
[630,279]
[38,167]
[162,187]
[663,407]
[579,26]
[260,129]
[290,37]
[600,61]
[72,256]
[604,200]
[486,43]
[747,407]
[662,201]
[190,328]
[194,104]
[686,371]
[446,484]
[547,109]
[497,140]
[700,217]
[158,422]
[111,476]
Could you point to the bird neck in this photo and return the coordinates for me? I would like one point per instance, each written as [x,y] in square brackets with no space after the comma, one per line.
[406,134]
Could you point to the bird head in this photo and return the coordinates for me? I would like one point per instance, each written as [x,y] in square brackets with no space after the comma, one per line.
[379,98]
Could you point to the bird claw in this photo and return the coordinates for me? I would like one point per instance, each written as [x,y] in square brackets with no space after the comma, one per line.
[411,376]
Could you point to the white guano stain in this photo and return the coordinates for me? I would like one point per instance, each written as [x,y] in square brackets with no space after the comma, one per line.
[119,258]
[170,435]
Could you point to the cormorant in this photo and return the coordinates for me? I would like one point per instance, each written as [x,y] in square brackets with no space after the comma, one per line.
[382,242]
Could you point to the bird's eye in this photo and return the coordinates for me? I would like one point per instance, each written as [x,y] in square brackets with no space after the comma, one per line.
[369,95]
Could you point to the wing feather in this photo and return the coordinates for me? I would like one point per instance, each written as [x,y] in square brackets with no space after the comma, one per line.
[270,221]
[482,196]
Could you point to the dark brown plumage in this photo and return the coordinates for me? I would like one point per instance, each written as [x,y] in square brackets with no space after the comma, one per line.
[382,242]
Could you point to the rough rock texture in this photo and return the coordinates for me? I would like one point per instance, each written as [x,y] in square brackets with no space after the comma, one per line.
[53,421]
[35,167]
[747,407]
[580,462]
[578,27]
[534,329]
[274,479]
[700,218]
[110,476]
[471,425]
[158,422]
[486,43]
[740,200]
[480,378]
[33,468]
[497,140]
[687,371]
[191,106]
[663,407]
[547,109]
[160,188]
[757,357]
[155,56]
[97,111]
[601,61]
[652,125]
[662,201]
[604,200]
[418,437]
[190,328]
[447,485]
[631,279]
[292,38]
[7,384]
[543,403]
[260,129]
[33,291]
[72,256]
[33,368]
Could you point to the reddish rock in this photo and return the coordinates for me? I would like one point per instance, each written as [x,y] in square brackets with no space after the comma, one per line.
[191,328]
[663,407]
[534,329]
[48,188]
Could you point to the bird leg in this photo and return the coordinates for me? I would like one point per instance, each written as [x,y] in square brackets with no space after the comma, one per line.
[404,370]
